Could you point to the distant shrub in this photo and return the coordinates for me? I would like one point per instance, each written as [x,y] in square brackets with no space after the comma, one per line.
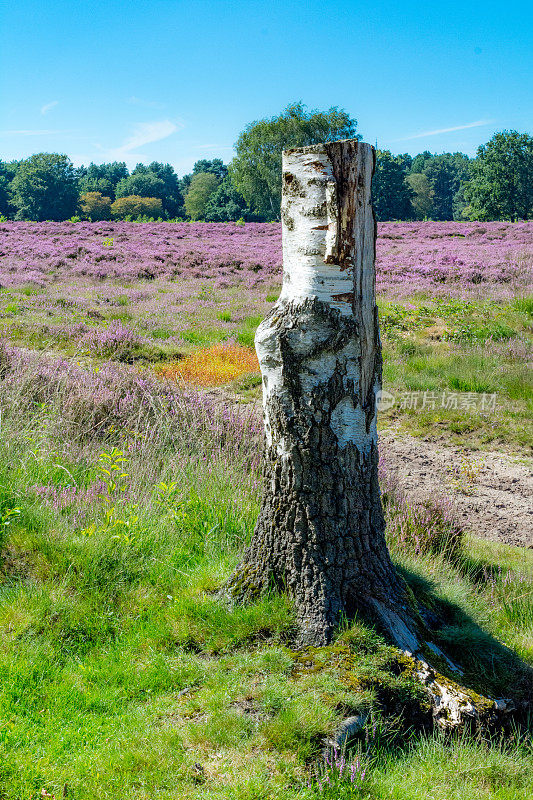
[135,207]
[95,206]
[75,218]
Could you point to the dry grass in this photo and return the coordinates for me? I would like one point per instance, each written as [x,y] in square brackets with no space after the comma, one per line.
[214,366]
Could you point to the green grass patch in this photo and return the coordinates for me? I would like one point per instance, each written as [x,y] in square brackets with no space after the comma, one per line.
[123,673]
[524,304]
[246,334]
[160,333]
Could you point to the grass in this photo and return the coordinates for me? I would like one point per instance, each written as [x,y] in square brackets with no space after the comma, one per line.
[455,356]
[122,674]
[438,345]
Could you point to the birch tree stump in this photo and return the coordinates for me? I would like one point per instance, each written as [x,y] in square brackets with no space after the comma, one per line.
[320,533]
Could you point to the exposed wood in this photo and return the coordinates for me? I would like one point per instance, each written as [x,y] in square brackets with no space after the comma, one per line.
[320,532]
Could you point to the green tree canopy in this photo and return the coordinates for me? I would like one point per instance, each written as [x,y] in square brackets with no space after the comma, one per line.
[446,173]
[225,204]
[502,178]
[102,178]
[422,199]
[405,160]
[135,206]
[169,193]
[141,184]
[256,169]
[215,165]
[95,206]
[420,161]
[203,186]
[45,187]
[391,194]
[8,170]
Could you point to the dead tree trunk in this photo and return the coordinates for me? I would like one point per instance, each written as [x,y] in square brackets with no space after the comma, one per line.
[320,533]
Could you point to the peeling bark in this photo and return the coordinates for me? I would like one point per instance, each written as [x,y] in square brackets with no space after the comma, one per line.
[320,531]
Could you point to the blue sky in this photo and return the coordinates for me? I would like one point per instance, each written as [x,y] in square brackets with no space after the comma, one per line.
[176,81]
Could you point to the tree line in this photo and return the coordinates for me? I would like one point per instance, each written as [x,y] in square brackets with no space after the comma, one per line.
[496,184]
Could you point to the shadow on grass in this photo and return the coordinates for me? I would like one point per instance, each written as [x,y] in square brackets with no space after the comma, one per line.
[490,667]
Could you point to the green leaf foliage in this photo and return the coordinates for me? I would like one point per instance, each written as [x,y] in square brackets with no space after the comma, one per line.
[102,178]
[226,204]
[95,206]
[422,197]
[135,206]
[8,171]
[203,186]
[256,169]
[391,194]
[502,181]
[45,187]
[155,180]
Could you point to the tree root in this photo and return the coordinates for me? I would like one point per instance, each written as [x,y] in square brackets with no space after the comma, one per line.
[454,706]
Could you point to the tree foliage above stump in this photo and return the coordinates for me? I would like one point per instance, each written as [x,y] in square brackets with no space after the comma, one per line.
[256,169]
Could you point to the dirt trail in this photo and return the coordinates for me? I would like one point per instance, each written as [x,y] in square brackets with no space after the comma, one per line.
[493,492]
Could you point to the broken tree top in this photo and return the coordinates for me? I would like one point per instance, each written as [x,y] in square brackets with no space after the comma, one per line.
[328,224]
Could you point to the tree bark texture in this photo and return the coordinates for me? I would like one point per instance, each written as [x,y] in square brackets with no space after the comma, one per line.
[320,532]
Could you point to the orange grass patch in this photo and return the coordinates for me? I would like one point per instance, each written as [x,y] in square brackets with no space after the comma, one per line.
[214,366]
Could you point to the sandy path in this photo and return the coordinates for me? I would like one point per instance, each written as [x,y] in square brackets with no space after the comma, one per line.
[493,492]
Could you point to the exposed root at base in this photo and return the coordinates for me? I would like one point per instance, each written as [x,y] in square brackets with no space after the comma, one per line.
[455,706]
[452,705]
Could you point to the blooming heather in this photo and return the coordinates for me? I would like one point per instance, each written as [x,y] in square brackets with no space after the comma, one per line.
[437,258]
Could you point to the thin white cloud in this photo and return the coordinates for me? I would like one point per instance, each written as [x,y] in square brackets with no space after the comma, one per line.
[477,124]
[48,107]
[143,133]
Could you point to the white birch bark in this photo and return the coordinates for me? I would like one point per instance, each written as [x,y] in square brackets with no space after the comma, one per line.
[320,532]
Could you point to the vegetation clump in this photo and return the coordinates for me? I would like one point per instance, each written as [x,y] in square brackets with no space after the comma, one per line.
[129,503]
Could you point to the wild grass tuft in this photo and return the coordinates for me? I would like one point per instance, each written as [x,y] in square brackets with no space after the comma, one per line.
[122,672]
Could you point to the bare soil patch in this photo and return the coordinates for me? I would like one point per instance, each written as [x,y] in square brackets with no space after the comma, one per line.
[493,492]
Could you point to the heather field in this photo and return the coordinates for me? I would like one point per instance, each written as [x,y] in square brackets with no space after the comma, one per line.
[185,299]
[130,482]
[435,258]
